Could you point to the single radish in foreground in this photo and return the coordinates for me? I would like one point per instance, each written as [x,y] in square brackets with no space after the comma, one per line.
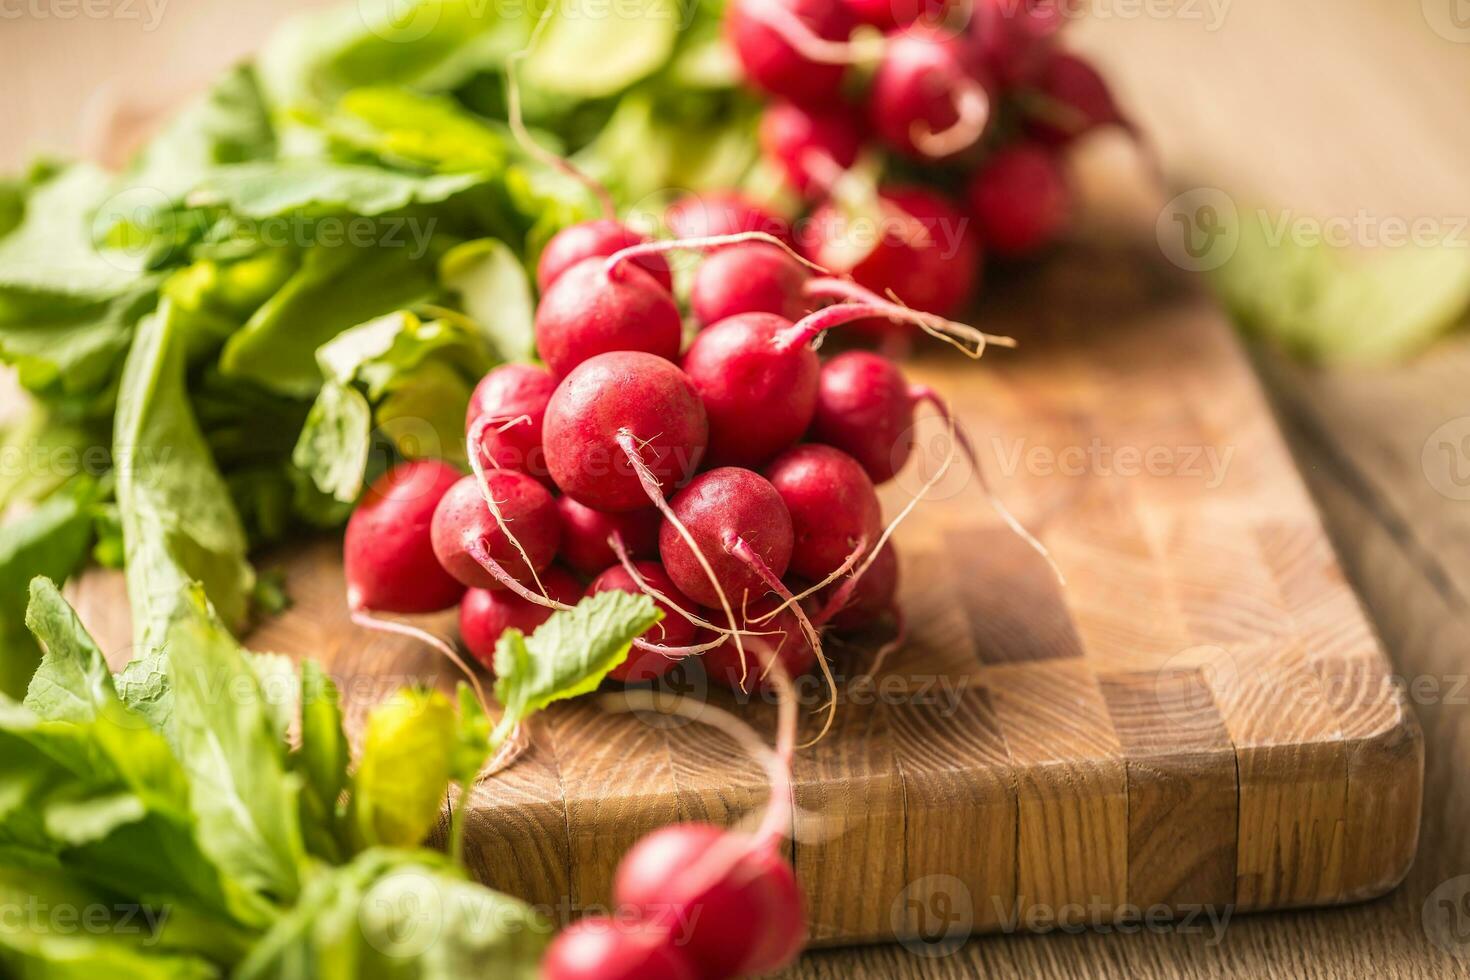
[614,407]
[811,148]
[1020,199]
[928,97]
[486,613]
[597,307]
[674,631]
[475,547]
[511,399]
[388,552]
[780,46]
[604,948]
[835,513]
[598,238]
[585,533]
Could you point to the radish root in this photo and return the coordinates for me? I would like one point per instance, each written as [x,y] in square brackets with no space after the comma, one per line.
[475,451]
[972,110]
[807,42]
[632,252]
[962,336]
[366,620]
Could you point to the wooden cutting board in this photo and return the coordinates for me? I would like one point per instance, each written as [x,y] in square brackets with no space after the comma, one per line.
[1201,719]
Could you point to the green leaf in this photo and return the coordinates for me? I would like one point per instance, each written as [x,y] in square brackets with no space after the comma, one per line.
[271,190]
[322,760]
[73,682]
[179,525]
[407,760]
[568,655]
[593,50]
[336,441]
[406,127]
[240,792]
[495,292]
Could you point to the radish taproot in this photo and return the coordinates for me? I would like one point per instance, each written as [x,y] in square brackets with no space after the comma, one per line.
[486,613]
[511,399]
[771,632]
[598,307]
[1020,199]
[473,545]
[833,506]
[863,599]
[674,631]
[613,407]
[598,238]
[585,533]
[388,551]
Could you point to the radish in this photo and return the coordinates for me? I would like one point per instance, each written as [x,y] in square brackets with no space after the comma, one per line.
[834,509]
[595,239]
[716,214]
[599,306]
[612,409]
[1020,199]
[602,948]
[863,599]
[1070,99]
[772,631]
[485,613]
[585,533]
[476,548]
[887,14]
[512,400]
[810,148]
[928,98]
[674,631]
[720,508]
[752,277]
[1014,38]
[791,48]
[864,409]
[931,263]
[387,552]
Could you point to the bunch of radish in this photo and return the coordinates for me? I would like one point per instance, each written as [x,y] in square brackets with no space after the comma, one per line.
[973,101]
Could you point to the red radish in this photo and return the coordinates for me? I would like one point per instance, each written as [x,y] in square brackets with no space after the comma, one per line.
[931,264]
[810,147]
[715,214]
[886,14]
[601,948]
[598,306]
[928,99]
[779,42]
[584,534]
[864,409]
[719,508]
[673,631]
[595,239]
[834,509]
[862,599]
[642,396]
[512,398]
[1020,199]
[1071,100]
[752,277]
[387,551]
[780,636]
[472,545]
[485,614]
[1014,38]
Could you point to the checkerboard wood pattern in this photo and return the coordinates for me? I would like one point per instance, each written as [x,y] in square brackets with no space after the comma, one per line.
[1200,716]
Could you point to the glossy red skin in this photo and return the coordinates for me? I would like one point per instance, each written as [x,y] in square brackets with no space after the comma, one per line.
[387,550]
[673,631]
[484,615]
[715,213]
[1014,39]
[937,276]
[1071,81]
[784,637]
[462,516]
[588,311]
[789,131]
[760,398]
[644,393]
[773,66]
[872,597]
[832,503]
[915,83]
[742,924]
[591,239]
[597,948]
[751,277]
[506,393]
[864,409]
[716,504]
[584,534]
[1020,200]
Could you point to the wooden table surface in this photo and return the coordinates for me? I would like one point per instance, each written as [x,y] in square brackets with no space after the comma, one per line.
[1321,109]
